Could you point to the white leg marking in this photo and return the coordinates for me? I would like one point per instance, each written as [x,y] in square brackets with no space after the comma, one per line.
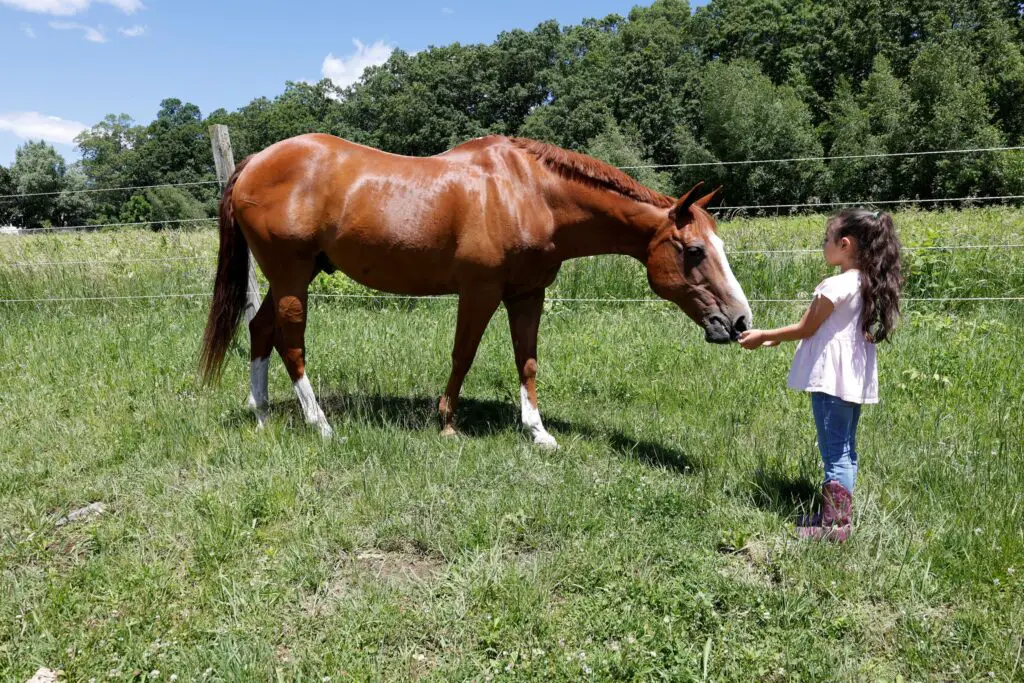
[734,285]
[532,421]
[311,408]
[258,389]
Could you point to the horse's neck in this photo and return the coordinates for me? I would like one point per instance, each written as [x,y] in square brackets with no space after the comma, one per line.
[592,224]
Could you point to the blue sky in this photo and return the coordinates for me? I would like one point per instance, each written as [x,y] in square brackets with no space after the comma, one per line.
[68,63]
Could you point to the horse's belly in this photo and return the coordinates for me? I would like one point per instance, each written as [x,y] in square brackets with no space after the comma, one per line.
[395,269]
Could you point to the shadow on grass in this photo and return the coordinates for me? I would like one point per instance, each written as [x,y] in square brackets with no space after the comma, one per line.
[476,418]
[785,495]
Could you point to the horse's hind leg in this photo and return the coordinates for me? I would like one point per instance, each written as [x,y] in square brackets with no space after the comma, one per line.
[261,342]
[290,307]
[475,311]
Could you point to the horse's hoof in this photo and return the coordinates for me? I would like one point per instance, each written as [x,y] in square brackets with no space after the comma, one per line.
[250,403]
[449,433]
[546,441]
[326,433]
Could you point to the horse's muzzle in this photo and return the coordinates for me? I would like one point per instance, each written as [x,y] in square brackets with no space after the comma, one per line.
[718,329]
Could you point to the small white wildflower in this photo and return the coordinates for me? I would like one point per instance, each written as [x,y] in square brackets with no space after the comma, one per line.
[208,672]
[173,678]
[1010,570]
[667,619]
[326,679]
[766,614]
[613,645]
[537,652]
[991,674]
[631,639]
[582,655]
[977,531]
[419,657]
[995,582]
[155,673]
[587,670]
[508,668]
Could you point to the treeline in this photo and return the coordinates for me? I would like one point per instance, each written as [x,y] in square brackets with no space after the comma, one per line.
[735,80]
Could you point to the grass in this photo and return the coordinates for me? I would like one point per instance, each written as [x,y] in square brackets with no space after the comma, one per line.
[657,543]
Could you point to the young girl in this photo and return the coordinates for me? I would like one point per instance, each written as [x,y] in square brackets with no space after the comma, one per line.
[835,360]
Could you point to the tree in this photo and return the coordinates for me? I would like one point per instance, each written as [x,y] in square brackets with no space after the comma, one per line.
[746,117]
[39,170]
[874,121]
[953,113]
[9,213]
[615,148]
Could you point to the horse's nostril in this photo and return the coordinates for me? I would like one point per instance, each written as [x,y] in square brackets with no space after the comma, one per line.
[741,324]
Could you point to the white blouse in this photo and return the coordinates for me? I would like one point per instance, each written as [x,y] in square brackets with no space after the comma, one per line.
[837,359]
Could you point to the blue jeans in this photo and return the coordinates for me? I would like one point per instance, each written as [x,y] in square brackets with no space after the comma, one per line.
[836,421]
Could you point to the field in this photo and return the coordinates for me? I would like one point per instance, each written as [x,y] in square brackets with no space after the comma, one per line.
[656,544]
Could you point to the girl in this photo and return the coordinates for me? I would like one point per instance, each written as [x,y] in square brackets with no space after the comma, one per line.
[835,360]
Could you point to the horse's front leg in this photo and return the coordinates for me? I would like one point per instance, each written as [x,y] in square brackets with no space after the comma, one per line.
[524,321]
[475,310]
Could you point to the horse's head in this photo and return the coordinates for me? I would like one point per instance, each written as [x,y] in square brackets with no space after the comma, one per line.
[686,264]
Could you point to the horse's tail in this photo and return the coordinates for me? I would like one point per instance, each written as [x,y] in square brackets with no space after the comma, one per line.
[229,287]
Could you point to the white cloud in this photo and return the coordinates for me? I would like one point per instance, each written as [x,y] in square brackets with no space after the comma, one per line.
[67,8]
[134,31]
[28,30]
[344,71]
[93,35]
[31,125]
[447,10]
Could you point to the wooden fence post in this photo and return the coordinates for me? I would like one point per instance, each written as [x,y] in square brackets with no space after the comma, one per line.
[224,160]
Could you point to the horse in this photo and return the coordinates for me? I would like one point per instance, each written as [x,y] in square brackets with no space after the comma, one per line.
[490,220]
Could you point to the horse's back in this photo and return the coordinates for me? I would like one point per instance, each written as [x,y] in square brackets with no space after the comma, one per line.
[415,225]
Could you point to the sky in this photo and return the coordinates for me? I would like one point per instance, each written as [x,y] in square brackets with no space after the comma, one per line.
[69,63]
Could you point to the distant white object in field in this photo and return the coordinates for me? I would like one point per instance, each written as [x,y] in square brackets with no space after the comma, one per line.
[82,514]
[44,675]
[9,230]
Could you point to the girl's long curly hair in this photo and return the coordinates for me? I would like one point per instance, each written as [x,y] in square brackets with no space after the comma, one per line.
[878,260]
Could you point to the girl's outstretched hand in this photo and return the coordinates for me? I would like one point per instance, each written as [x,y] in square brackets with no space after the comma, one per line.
[755,339]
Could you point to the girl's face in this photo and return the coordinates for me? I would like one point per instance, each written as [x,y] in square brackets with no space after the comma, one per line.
[841,251]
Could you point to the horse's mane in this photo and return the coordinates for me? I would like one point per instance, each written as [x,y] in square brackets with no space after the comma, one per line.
[590,171]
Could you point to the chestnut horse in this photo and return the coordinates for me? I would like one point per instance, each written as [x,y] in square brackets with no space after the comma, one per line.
[491,220]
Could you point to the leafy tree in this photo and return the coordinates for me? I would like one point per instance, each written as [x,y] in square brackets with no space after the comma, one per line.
[39,170]
[953,113]
[615,148]
[746,117]
[9,213]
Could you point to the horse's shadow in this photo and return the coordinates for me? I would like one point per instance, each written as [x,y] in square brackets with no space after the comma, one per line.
[476,418]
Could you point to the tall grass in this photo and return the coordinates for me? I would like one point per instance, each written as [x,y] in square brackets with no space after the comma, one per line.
[657,544]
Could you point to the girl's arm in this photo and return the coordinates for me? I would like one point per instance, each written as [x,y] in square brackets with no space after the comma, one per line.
[820,309]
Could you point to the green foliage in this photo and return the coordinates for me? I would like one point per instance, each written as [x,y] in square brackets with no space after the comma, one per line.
[613,147]
[39,170]
[746,116]
[735,80]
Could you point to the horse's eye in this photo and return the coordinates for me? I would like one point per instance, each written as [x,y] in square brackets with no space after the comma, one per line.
[695,253]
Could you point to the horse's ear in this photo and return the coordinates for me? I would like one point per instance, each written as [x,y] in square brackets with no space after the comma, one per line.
[682,207]
[706,199]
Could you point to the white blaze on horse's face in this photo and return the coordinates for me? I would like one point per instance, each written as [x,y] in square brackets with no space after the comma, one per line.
[739,298]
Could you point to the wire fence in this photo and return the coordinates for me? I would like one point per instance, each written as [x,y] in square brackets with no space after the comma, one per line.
[211,257]
[739,162]
[610,301]
[454,298]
